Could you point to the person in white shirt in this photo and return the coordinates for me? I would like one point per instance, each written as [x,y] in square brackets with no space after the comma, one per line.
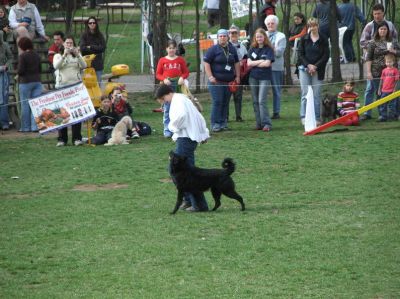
[25,20]
[189,129]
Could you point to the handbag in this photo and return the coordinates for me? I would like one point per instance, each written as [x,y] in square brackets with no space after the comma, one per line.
[233,86]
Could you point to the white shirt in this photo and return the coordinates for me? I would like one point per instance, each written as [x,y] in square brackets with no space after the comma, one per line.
[186,120]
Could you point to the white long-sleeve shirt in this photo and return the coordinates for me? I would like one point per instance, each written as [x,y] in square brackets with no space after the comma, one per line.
[186,120]
[12,17]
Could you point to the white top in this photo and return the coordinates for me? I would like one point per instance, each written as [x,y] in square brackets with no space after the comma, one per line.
[186,120]
[12,18]
[68,69]
[279,43]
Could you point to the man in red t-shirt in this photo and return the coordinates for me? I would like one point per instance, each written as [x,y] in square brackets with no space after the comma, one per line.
[58,38]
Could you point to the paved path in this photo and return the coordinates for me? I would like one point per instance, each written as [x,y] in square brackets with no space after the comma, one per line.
[145,83]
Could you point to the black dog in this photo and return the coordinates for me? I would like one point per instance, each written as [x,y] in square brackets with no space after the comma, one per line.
[197,180]
[329,108]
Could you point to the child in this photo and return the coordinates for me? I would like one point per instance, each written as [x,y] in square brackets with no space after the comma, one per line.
[348,102]
[171,70]
[122,108]
[5,30]
[387,85]
[104,121]
[5,62]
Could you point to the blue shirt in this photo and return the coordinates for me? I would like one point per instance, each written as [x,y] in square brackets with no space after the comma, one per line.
[264,53]
[222,61]
[349,12]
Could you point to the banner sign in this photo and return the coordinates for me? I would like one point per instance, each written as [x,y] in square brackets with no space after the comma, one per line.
[62,108]
[240,8]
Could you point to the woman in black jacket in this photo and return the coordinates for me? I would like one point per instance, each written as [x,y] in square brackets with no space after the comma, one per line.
[93,42]
[313,54]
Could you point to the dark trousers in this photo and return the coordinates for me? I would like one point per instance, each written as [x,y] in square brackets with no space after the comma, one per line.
[76,133]
[348,45]
[101,137]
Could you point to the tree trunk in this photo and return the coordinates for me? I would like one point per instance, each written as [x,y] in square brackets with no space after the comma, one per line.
[286,10]
[335,54]
[198,83]
[159,26]
[224,14]
[358,50]
[70,7]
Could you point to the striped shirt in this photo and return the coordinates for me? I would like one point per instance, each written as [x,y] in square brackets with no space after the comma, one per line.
[347,102]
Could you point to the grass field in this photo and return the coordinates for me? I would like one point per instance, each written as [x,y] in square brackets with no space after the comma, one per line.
[322,218]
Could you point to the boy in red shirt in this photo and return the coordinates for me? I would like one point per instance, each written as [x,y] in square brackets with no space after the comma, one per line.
[389,79]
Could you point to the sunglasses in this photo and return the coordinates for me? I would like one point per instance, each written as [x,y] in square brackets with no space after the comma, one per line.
[91,23]
[233,32]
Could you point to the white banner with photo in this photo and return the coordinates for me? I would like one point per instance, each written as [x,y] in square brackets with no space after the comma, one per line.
[240,8]
[62,108]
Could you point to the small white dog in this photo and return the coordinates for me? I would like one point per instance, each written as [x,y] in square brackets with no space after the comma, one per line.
[118,134]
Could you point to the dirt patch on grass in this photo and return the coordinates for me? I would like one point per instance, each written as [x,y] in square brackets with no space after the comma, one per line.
[166,180]
[92,187]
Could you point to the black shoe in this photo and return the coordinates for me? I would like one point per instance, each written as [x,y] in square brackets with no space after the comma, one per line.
[276,116]
[239,119]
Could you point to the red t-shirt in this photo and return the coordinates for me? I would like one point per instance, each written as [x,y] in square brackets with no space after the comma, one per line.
[167,68]
[389,78]
[53,50]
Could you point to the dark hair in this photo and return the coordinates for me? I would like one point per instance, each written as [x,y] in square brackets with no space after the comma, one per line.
[59,33]
[3,8]
[378,6]
[62,47]
[172,43]
[388,35]
[96,29]
[25,43]
[163,90]
[114,89]
[350,81]
[103,97]
[301,16]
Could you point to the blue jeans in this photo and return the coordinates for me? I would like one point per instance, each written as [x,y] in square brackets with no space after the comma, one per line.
[28,91]
[98,75]
[185,147]
[370,91]
[4,119]
[220,95]
[166,106]
[276,82]
[391,106]
[259,91]
[305,80]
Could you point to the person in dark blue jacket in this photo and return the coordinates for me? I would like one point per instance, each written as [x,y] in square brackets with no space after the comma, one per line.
[221,64]
[349,13]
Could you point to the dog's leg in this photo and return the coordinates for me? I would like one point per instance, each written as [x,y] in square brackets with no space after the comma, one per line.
[179,201]
[233,194]
[217,198]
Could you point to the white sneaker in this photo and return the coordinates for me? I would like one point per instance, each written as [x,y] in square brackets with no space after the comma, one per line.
[135,135]
[303,121]
[60,143]
[85,139]
[78,142]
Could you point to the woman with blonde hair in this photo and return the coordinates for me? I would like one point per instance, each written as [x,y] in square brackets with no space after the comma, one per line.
[313,54]
[260,58]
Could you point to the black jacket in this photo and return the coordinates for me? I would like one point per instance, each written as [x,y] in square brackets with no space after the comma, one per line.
[97,46]
[320,60]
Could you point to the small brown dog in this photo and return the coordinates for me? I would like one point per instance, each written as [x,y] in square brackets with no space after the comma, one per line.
[329,108]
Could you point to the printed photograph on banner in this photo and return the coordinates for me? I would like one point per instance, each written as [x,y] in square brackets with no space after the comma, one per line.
[62,107]
[240,8]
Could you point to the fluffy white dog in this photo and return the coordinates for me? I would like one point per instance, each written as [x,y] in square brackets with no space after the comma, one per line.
[118,134]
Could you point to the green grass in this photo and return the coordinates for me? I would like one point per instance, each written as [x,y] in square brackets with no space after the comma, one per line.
[322,218]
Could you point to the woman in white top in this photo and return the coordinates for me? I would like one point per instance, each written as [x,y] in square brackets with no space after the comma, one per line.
[68,65]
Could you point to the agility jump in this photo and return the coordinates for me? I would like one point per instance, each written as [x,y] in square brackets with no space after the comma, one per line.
[356,113]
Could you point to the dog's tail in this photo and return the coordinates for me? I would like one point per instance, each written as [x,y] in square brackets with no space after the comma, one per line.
[229,165]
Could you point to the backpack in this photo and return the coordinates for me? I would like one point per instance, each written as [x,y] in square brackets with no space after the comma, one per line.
[143,128]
